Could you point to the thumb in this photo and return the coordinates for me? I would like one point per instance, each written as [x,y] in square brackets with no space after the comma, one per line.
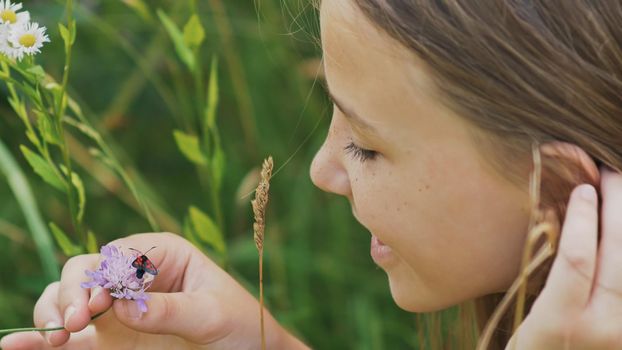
[197,318]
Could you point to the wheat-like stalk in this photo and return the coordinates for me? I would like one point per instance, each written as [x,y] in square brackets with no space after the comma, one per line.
[259,210]
[539,227]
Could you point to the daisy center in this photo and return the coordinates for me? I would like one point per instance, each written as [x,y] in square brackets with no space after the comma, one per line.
[27,40]
[8,16]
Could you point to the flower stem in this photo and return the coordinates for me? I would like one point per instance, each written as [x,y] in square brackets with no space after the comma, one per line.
[34,329]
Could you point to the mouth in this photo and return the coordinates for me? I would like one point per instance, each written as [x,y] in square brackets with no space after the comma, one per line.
[381,253]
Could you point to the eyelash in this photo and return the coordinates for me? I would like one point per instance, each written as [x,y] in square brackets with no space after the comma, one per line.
[359,153]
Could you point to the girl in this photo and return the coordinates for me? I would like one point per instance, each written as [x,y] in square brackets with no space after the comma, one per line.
[438,106]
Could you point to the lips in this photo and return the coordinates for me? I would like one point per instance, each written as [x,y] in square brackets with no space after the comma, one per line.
[381,253]
[378,241]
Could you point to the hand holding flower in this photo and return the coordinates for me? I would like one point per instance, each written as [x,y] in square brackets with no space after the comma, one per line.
[191,304]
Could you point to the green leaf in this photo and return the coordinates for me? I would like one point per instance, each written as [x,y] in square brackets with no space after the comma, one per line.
[141,8]
[77,183]
[72,29]
[64,33]
[20,109]
[189,146]
[48,128]
[32,137]
[189,233]
[194,34]
[53,86]
[85,129]
[30,91]
[183,51]
[37,73]
[91,243]
[64,242]
[95,152]
[74,106]
[44,169]
[206,229]
[212,94]
[68,34]
[218,167]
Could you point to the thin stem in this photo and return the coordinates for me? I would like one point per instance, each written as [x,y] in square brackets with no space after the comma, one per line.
[62,106]
[263,335]
[214,192]
[197,74]
[34,329]
[63,96]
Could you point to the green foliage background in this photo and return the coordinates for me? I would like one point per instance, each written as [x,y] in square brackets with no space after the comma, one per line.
[319,279]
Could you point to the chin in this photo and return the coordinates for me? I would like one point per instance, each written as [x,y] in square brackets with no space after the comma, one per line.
[413,298]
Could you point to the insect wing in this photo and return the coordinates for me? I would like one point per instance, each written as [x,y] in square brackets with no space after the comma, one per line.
[138,263]
[150,267]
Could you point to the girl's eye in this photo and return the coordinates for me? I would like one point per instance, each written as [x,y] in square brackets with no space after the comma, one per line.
[360,153]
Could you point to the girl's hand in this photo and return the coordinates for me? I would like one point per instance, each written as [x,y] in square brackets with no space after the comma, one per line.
[193,305]
[581,304]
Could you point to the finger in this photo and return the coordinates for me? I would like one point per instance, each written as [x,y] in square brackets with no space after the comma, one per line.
[47,314]
[198,318]
[73,299]
[84,339]
[23,341]
[608,286]
[171,257]
[99,300]
[570,280]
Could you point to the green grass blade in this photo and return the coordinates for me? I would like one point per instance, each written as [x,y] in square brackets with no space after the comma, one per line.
[41,236]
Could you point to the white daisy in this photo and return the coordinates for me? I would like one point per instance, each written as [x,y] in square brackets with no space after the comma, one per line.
[9,14]
[5,47]
[27,39]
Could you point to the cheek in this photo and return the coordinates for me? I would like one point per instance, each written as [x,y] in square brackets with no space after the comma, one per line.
[383,204]
[455,239]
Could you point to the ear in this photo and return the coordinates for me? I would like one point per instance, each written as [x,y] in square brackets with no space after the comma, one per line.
[574,154]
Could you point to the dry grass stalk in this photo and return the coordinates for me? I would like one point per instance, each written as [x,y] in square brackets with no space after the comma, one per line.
[259,210]
[538,227]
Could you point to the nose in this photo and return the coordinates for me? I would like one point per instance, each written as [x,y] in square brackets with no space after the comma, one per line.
[327,168]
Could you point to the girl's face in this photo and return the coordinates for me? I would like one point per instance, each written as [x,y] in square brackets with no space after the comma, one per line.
[444,226]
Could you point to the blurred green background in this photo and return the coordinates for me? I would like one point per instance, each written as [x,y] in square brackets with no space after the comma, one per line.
[319,279]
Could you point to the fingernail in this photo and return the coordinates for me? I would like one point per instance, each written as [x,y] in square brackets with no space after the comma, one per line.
[588,192]
[68,313]
[132,310]
[94,292]
[50,324]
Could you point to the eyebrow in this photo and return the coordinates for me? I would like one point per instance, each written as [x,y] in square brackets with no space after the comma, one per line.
[348,112]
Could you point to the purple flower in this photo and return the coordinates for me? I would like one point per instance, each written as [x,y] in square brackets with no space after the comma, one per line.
[117,274]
